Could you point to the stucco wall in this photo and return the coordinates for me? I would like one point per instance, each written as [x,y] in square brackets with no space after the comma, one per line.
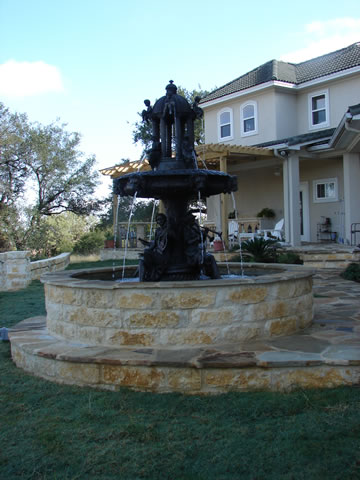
[266,119]
[311,170]
[342,94]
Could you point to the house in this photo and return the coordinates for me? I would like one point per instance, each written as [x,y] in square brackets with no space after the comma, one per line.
[291,135]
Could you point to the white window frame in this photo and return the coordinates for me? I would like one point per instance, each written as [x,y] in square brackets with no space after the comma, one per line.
[312,125]
[335,198]
[231,136]
[242,119]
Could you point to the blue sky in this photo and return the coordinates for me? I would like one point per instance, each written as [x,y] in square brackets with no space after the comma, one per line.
[92,63]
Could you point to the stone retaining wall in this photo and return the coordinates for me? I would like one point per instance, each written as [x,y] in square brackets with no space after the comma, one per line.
[16,270]
[52,264]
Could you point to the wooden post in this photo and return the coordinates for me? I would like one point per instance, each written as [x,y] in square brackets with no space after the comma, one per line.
[161,207]
[223,202]
[115,207]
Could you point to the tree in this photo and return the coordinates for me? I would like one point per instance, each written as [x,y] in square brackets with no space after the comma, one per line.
[46,161]
[142,130]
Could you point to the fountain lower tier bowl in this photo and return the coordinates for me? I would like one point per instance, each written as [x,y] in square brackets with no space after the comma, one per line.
[90,307]
[172,183]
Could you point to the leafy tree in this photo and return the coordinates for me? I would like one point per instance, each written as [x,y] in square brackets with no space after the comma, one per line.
[56,234]
[46,161]
[142,130]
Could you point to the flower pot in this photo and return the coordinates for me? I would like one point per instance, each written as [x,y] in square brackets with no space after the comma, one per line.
[109,243]
[218,246]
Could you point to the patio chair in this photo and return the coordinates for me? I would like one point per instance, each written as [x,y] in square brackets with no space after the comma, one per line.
[276,233]
[235,236]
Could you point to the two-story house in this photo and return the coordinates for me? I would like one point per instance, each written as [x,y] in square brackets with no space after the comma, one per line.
[291,135]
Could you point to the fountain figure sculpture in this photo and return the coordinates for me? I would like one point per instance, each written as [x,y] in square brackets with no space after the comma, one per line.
[178,251]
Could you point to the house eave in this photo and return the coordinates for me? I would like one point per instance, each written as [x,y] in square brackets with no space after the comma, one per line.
[281,84]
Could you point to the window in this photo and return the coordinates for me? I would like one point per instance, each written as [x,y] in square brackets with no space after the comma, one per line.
[325,190]
[248,114]
[225,124]
[319,109]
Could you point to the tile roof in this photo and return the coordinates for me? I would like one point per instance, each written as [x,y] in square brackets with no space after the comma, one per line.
[295,140]
[295,73]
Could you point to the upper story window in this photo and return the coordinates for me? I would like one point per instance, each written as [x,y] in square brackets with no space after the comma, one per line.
[319,109]
[225,122]
[248,114]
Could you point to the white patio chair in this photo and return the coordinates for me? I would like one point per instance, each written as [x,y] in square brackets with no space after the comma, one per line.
[276,233]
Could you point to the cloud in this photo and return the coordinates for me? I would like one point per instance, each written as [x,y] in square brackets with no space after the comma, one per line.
[24,79]
[322,37]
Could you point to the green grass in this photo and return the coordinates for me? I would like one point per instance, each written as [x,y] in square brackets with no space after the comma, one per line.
[49,431]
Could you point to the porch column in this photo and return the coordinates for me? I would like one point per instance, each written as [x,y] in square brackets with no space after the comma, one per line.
[223,203]
[291,181]
[351,166]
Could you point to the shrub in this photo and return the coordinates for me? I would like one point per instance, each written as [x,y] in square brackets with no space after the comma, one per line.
[352,272]
[261,250]
[89,243]
[290,258]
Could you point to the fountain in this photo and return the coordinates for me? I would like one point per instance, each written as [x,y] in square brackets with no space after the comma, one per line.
[171,329]
[178,252]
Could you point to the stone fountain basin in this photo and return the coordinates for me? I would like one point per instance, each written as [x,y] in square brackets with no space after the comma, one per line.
[82,306]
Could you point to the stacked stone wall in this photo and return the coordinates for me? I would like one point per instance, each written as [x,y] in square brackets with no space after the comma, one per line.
[178,313]
[16,270]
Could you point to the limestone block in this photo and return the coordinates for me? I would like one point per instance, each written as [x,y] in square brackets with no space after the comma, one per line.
[85,334]
[191,299]
[72,296]
[244,295]
[79,373]
[267,310]
[283,326]
[240,332]
[97,298]
[137,377]
[184,379]
[212,318]
[54,294]
[161,319]
[132,300]
[236,379]
[292,289]
[55,311]
[314,377]
[95,317]
[124,337]
[191,336]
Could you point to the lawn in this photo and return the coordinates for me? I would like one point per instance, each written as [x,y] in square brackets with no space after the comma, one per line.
[50,431]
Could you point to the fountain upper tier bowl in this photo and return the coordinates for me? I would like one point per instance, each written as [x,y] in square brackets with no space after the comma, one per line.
[172,183]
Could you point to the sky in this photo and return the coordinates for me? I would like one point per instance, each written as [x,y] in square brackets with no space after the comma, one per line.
[91,63]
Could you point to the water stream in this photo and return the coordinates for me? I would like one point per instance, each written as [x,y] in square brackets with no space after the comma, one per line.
[238,236]
[116,228]
[127,233]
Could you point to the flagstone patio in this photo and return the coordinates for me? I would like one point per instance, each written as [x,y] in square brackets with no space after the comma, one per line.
[327,354]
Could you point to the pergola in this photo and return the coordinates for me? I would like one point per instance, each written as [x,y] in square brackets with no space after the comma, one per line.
[212,156]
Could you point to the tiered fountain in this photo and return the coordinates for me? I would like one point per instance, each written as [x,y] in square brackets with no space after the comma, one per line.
[181,327]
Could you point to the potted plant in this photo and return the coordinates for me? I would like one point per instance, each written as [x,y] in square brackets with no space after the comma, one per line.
[267,215]
[109,240]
